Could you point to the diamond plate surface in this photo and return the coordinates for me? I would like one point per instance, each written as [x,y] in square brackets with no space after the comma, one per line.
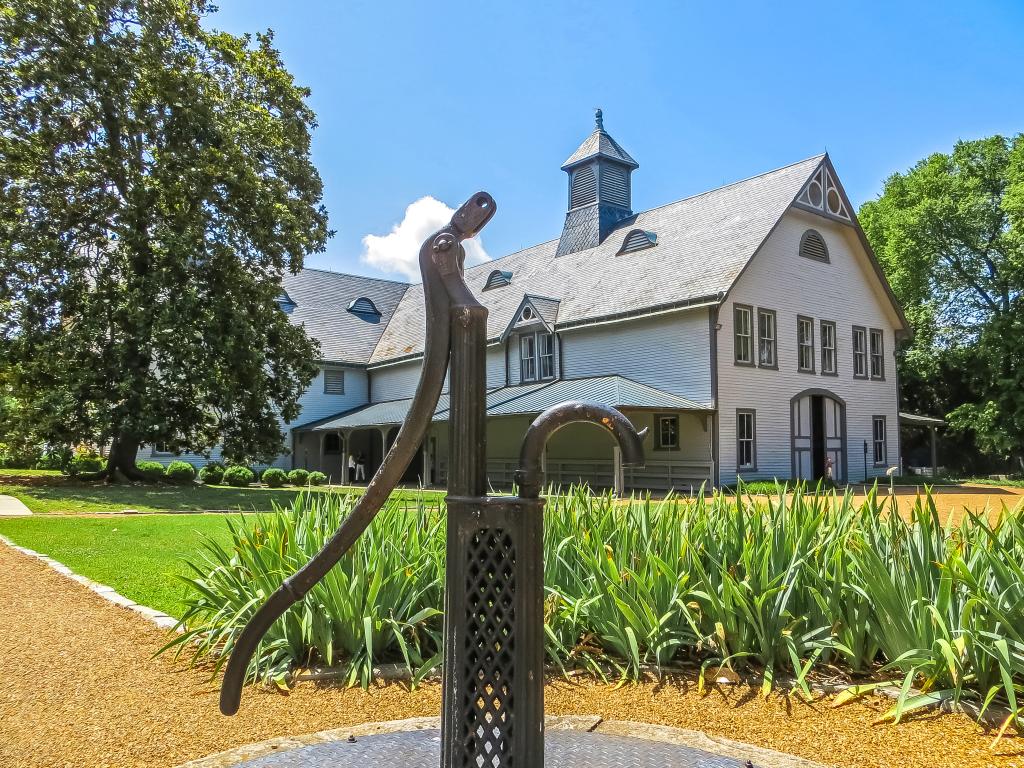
[562,749]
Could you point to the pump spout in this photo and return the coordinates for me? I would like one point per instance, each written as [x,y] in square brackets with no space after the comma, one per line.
[530,475]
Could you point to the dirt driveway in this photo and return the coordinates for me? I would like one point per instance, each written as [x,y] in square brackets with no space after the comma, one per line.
[81,688]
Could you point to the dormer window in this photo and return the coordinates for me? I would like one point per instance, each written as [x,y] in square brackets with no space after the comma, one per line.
[497,279]
[365,309]
[285,302]
[637,240]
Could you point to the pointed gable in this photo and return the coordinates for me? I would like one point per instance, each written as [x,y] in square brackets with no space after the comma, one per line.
[822,194]
[533,311]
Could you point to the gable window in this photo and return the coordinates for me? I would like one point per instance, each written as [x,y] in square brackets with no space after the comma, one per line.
[334,381]
[805,343]
[828,348]
[878,440]
[877,354]
[536,356]
[860,353]
[528,357]
[766,338]
[746,439]
[546,349]
[812,246]
[668,432]
[743,341]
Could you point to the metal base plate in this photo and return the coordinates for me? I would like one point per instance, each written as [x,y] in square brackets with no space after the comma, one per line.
[562,749]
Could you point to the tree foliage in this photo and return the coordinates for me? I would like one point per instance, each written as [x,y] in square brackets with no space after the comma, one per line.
[155,186]
[950,235]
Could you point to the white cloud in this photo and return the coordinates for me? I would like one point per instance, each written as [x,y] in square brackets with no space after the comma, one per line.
[399,250]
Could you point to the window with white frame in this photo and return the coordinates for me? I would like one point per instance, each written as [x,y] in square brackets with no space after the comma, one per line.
[877,354]
[162,449]
[528,357]
[805,343]
[546,349]
[860,353]
[828,347]
[746,439]
[878,440]
[536,356]
[334,381]
[766,338]
[743,343]
[668,432]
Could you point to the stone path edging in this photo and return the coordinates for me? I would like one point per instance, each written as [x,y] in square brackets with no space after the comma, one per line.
[161,620]
[763,758]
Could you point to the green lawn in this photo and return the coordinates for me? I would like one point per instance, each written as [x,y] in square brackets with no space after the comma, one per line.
[48,492]
[137,556]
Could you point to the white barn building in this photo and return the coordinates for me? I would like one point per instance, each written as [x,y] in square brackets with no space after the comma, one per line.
[749,327]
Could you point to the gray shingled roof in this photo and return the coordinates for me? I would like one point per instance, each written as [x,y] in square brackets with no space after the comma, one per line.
[599,143]
[525,399]
[704,242]
[321,299]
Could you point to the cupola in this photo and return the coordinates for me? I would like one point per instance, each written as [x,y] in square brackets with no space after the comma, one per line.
[599,190]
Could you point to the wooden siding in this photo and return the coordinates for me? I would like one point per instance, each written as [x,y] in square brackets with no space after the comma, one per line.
[315,405]
[398,382]
[670,352]
[845,291]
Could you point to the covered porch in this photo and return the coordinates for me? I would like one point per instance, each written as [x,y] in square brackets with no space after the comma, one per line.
[679,442]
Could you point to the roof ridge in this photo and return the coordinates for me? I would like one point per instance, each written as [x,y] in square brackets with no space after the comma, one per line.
[353,274]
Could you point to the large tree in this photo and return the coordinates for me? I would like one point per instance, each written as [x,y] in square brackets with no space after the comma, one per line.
[155,186]
[950,235]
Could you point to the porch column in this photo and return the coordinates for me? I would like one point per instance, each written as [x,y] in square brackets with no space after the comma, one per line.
[620,474]
[427,459]
[320,459]
[343,446]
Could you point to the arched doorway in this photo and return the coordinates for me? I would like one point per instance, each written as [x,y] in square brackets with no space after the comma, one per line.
[818,425]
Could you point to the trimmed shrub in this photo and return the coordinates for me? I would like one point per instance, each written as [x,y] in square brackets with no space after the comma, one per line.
[274,477]
[52,460]
[181,472]
[153,470]
[317,478]
[298,477]
[238,477]
[212,473]
[85,461]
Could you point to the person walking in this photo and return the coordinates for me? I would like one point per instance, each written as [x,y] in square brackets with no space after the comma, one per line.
[361,468]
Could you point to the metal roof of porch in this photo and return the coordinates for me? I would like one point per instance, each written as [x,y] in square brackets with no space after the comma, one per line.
[522,400]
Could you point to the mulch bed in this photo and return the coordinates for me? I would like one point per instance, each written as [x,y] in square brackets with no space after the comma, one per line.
[80,689]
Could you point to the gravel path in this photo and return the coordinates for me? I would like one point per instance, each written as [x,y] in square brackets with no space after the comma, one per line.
[79,689]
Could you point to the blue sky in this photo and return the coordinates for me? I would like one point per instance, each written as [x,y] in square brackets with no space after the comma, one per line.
[420,99]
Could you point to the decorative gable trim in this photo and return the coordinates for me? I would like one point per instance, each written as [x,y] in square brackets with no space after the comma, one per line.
[823,195]
[532,312]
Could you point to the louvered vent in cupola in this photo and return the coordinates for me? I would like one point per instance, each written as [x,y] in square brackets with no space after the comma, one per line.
[812,246]
[365,309]
[637,240]
[584,187]
[497,279]
[615,186]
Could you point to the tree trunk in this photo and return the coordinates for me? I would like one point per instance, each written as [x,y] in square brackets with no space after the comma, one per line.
[120,462]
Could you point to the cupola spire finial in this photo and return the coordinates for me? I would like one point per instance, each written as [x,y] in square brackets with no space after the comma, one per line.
[599,119]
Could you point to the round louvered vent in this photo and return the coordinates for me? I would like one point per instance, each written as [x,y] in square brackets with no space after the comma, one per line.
[812,246]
